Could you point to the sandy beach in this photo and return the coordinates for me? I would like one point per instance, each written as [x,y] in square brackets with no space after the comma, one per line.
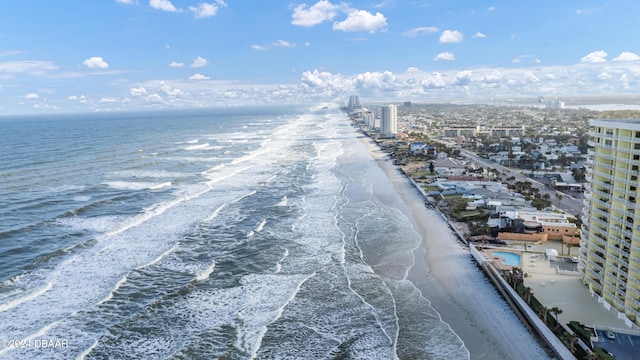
[457,288]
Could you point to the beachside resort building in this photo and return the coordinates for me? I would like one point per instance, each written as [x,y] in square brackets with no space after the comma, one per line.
[389,120]
[610,244]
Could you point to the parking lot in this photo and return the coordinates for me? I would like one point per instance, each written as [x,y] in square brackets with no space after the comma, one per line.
[623,347]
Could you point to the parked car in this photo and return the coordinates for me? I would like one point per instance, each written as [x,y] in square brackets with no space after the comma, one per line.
[574,259]
[610,334]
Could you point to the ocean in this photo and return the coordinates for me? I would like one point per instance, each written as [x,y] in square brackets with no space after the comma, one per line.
[235,233]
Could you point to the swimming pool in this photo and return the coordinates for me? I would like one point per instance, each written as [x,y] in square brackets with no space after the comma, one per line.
[510,258]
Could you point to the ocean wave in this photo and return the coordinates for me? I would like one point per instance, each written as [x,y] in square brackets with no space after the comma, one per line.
[128,185]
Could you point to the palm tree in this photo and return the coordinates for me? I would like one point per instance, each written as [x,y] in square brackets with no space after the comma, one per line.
[570,340]
[556,311]
[527,295]
[543,314]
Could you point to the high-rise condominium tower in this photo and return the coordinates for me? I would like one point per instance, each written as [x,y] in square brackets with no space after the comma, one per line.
[610,243]
[389,120]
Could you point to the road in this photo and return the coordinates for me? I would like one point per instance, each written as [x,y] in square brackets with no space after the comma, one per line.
[572,205]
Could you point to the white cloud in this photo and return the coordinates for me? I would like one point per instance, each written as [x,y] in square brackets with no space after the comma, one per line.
[491,8]
[420,31]
[451,36]
[128,2]
[108,100]
[32,96]
[310,16]
[445,56]
[198,77]
[204,10]
[80,98]
[95,62]
[176,64]
[478,35]
[258,47]
[594,57]
[140,91]
[362,20]
[171,92]
[604,76]
[27,66]
[627,56]
[45,106]
[164,5]
[282,43]
[199,62]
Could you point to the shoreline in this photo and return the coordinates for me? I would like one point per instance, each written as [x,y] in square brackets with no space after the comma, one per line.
[457,289]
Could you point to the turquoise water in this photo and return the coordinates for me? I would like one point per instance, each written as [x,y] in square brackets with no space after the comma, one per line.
[510,258]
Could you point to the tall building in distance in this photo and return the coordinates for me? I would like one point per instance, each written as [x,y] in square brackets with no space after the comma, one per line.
[610,241]
[354,102]
[389,120]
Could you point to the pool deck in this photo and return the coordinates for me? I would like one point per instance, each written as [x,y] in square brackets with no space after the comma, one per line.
[563,290]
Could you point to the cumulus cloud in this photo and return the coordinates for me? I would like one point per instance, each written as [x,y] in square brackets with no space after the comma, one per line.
[451,36]
[128,2]
[108,100]
[258,47]
[171,92]
[204,10]
[141,91]
[445,56]
[32,96]
[627,56]
[199,62]
[95,62]
[310,16]
[176,64]
[424,30]
[362,20]
[198,77]
[478,35]
[594,57]
[45,106]
[164,5]
[80,98]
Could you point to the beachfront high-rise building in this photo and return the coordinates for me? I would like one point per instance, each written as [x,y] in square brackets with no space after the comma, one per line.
[354,102]
[610,242]
[389,120]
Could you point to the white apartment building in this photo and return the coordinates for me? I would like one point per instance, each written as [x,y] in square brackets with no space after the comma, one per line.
[610,241]
[389,120]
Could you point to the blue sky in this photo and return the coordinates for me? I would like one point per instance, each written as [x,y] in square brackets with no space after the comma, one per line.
[113,55]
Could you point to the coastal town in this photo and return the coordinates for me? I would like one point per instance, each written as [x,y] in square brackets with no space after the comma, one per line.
[523,188]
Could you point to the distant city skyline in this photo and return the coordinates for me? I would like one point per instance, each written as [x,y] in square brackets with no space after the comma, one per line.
[115,55]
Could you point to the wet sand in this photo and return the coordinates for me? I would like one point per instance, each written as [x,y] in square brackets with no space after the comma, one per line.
[457,288]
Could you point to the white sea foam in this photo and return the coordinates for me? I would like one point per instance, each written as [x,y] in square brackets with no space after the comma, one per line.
[162,256]
[267,296]
[205,274]
[114,289]
[87,351]
[26,296]
[283,202]
[127,185]
[261,225]
[197,147]
[192,141]
[279,263]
